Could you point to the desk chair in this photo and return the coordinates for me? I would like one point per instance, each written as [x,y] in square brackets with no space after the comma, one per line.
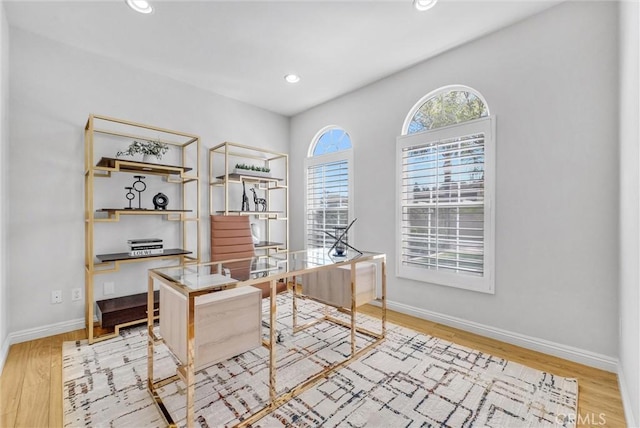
[231,239]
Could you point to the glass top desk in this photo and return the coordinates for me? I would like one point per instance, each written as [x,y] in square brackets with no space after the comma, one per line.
[196,280]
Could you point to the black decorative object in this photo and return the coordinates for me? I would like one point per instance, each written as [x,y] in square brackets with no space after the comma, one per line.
[245,199]
[341,243]
[160,201]
[139,186]
[130,196]
[258,201]
[339,247]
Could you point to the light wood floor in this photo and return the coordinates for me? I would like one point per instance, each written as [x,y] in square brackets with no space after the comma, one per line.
[31,383]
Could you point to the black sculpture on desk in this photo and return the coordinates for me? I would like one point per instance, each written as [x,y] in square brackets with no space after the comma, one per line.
[259,201]
[339,247]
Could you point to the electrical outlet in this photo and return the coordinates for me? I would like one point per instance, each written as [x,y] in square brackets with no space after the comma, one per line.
[109,288]
[76,294]
[56,296]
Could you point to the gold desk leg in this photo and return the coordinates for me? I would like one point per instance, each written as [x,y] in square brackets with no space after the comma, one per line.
[190,377]
[353,309]
[272,341]
[150,333]
[151,385]
[295,305]
[384,296]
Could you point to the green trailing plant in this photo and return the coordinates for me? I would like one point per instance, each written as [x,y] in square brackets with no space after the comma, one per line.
[153,148]
[252,167]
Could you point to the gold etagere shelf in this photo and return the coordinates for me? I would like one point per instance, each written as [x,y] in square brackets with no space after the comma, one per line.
[227,181]
[99,164]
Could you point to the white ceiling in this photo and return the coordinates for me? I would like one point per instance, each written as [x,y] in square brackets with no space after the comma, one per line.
[243,49]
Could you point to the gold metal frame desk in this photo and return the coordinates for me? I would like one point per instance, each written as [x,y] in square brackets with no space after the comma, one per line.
[281,266]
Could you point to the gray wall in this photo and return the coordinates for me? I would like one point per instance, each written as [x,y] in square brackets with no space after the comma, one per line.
[53,90]
[4,143]
[629,353]
[552,83]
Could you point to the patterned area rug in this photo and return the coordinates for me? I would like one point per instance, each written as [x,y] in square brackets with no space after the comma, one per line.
[409,380]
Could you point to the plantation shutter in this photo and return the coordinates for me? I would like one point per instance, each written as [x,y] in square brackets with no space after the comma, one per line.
[327,201]
[443,218]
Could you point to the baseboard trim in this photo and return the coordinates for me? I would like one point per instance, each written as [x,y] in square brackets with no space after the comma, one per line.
[45,331]
[4,352]
[626,401]
[570,353]
[37,333]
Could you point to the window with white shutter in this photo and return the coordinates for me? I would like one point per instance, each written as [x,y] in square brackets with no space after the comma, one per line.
[328,186]
[445,192]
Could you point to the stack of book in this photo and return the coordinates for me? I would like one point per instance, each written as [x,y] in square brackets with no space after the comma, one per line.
[145,247]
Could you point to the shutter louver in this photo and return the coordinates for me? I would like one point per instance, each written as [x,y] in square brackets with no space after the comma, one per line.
[443,203]
[327,201]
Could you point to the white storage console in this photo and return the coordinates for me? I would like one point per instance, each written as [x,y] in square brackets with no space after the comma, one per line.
[227,323]
[333,286]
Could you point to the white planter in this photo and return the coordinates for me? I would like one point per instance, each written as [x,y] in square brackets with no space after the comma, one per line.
[251,173]
[150,159]
[131,158]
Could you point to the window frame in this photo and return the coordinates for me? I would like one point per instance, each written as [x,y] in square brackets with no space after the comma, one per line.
[486,282]
[316,160]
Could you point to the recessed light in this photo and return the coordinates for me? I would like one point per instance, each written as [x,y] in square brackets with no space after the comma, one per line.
[292,78]
[141,6]
[423,5]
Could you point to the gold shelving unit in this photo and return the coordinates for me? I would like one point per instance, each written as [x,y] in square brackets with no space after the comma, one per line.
[181,171]
[226,185]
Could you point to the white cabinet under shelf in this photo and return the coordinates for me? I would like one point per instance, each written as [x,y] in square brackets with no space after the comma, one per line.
[228,186]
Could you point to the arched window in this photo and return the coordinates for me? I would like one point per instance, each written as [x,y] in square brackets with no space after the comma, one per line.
[446,106]
[446,169]
[331,140]
[329,195]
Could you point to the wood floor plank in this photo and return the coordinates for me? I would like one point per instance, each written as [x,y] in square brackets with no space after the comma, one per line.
[8,420]
[55,388]
[11,382]
[38,367]
[32,411]
[36,385]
